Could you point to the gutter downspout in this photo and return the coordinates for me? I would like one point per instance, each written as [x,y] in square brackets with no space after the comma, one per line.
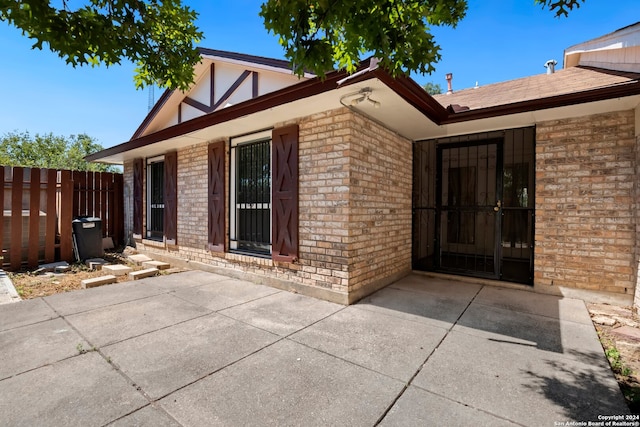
[373,64]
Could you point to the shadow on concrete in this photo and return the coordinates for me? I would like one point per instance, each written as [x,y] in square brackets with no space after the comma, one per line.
[508,315]
[585,391]
[545,344]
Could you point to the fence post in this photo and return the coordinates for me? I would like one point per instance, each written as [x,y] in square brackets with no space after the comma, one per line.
[66,215]
[34,218]
[15,251]
[118,208]
[2,252]
[51,218]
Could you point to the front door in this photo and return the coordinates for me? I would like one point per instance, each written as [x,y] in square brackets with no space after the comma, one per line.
[473,205]
[468,212]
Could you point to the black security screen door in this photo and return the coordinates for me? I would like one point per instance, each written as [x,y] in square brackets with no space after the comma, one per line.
[253,196]
[155,224]
[469,205]
[473,205]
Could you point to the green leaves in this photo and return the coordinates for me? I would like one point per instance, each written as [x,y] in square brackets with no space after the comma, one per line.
[560,7]
[159,36]
[433,88]
[322,34]
[50,151]
[319,35]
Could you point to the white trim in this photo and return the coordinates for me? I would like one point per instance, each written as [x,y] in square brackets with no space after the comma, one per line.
[255,65]
[155,159]
[254,137]
[233,244]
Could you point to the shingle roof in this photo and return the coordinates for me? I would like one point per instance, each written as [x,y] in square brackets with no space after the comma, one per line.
[562,82]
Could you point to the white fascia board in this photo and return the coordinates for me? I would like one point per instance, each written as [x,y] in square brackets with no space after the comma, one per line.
[627,37]
[624,38]
[255,65]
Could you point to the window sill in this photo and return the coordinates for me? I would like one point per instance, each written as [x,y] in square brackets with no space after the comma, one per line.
[250,258]
[154,243]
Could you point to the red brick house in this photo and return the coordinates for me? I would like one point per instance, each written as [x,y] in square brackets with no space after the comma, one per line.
[338,187]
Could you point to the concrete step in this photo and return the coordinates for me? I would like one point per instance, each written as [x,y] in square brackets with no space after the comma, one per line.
[52,266]
[141,274]
[156,264]
[138,259]
[95,263]
[98,281]
[117,269]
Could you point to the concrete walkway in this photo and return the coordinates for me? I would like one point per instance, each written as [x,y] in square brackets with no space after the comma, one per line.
[199,349]
[8,293]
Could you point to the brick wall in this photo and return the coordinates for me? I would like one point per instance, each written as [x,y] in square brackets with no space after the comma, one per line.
[636,300]
[585,203]
[324,199]
[128,201]
[381,181]
[192,197]
[355,203]
[355,209]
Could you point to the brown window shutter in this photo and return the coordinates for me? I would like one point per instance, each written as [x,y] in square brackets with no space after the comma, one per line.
[138,174]
[284,198]
[170,220]
[216,199]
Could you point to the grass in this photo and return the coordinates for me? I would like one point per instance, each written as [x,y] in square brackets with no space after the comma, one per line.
[615,360]
[624,374]
[82,350]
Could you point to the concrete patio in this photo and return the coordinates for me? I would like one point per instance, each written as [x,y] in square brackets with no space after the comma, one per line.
[197,349]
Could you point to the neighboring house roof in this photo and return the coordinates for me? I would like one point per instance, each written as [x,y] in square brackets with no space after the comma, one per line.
[572,80]
[619,50]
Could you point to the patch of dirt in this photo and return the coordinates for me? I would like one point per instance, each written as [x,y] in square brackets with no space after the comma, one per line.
[619,332]
[30,285]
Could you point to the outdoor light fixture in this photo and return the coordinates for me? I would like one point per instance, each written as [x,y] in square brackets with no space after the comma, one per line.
[361,96]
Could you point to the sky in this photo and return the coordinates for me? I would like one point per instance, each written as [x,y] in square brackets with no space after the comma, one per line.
[498,40]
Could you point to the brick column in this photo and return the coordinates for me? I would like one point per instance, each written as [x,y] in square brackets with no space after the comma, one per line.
[127,195]
[586,203]
[636,182]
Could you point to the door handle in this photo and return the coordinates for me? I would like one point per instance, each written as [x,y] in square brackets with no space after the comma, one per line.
[497,206]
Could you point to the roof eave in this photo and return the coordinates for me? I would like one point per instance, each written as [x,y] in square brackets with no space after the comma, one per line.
[404,86]
[153,112]
[564,100]
[415,95]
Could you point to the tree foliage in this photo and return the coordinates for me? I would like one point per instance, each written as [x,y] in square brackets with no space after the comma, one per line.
[160,36]
[321,33]
[560,7]
[432,88]
[50,151]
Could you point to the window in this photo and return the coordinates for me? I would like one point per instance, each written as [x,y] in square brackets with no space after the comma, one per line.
[162,198]
[250,215]
[155,198]
[263,194]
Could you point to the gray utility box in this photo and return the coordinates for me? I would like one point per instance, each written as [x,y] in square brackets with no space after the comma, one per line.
[87,238]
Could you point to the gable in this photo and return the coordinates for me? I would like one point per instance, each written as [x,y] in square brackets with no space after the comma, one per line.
[222,79]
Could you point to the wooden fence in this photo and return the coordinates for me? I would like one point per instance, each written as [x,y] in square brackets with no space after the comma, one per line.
[39,206]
